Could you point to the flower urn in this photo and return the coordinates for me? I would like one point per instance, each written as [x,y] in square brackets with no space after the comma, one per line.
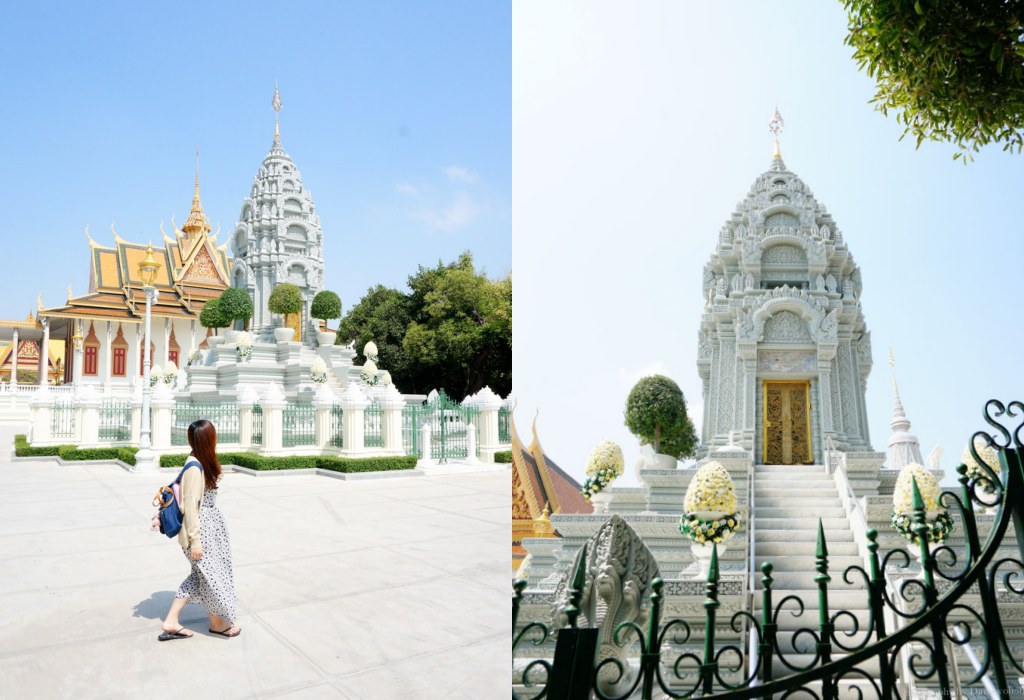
[325,338]
[284,335]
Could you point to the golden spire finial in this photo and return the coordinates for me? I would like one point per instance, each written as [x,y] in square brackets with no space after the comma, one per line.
[276,104]
[775,126]
[196,221]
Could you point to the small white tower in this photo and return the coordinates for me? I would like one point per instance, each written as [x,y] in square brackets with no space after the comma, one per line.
[903,447]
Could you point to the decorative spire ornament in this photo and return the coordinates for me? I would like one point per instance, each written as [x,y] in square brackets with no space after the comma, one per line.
[903,446]
[775,126]
[276,104]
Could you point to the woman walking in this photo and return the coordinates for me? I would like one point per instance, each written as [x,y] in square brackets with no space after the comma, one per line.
[204,539]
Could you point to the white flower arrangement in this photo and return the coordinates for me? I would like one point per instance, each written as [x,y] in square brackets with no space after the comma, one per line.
[938,520]
[155,372]
[975,471]
[170,373]
[194,356]
[318,372]
[243,346]
[370,375]
[712,494]
[603,467]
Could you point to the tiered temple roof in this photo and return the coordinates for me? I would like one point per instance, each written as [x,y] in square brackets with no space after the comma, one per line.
[193,269]
[539,488]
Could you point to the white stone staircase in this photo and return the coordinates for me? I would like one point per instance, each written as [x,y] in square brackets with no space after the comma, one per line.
[308,355]
[789,500]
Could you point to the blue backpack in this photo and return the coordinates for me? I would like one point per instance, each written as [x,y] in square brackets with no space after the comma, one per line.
[170,510]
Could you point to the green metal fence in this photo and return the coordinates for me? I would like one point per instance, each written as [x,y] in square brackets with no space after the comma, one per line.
[224,416]
[449,428]
[373,431]
[411,417]
[922,616]
[298,425]
[337,438]
[257,424]
[504,426]
[115,421]
[62,420]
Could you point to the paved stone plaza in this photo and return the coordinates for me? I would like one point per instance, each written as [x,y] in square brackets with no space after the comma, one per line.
[374,588]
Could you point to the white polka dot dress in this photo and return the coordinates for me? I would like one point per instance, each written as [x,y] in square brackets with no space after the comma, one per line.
[212,581]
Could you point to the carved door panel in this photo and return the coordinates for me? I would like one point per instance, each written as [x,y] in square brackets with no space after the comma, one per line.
[787,427]
[295,321]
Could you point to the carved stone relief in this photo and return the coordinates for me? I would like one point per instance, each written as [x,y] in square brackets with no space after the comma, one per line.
[786,327]
[784,255]
[786,361]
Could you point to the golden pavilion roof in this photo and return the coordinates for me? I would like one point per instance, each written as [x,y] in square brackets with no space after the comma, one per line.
[193,269]
[539,488]
[196,221]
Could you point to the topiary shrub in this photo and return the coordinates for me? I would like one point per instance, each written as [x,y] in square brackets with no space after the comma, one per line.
[212,315]
[656,413]
[504,457]
[326,305]
[23,449]
[236,305]
[286,299]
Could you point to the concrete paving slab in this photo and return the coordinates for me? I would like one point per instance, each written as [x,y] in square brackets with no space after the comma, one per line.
[347,589]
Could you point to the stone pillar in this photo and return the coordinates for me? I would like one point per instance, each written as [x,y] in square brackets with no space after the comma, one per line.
[392,404]
[165,353]
[87,418]
[323,403]
[425,441]
[78,358]
[44,355]
[14,359]
[353,404]
[749,391]
[273,418]
[132,368]
[488,404]
[108,357]
[41,408]
[471,445]
[162,402]
[136,405]
[247,397]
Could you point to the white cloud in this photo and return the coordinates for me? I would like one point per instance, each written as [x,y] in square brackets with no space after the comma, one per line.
[461,212]
[457,173]
[407,188]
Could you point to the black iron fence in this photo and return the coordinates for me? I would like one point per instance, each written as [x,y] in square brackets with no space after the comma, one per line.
[841,653]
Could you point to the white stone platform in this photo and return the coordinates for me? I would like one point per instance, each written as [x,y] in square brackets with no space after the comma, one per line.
[370,588]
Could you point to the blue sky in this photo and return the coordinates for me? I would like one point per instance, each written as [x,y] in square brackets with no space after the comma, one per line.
[637,129]
[398,116]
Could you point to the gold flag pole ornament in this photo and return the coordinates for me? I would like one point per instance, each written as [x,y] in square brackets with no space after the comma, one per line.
[775,126]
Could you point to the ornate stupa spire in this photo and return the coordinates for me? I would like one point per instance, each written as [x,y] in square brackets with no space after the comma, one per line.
[903,446]
[276,104]
[196,222]
[775,126]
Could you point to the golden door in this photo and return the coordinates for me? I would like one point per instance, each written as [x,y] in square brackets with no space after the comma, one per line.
[787,423]
[295,321]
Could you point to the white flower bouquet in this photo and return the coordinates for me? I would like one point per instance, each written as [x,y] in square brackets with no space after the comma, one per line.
[939,522]
[370,373]
[243,346]
[154,374]
[170,373]
[318,372]
[709,509]
[194,356]
[603,467]
[975,471]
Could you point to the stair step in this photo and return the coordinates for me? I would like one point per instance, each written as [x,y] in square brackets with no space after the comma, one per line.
[838,599]
[786,582]
[815,512]
[798,522]
[787,532]
[822,501]
[820,468]
[784,564]
[782,489]
[807,548]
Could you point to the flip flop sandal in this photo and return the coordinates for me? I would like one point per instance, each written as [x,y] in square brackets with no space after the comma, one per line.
[224,633]
[167,636]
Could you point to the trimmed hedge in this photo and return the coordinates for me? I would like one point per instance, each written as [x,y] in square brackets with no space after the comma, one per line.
[72,453]
[256,462]
[504,457]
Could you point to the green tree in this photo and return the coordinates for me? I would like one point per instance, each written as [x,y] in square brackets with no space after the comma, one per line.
[212,315]
[952,70]
[236,305]
[326,305]
[453,330]
[286,299]
[656,413]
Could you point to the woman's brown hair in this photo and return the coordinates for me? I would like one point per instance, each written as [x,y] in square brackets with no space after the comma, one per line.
[202,438]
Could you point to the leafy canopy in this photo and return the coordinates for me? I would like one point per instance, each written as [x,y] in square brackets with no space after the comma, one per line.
[453,330]
[326,305]
[952,70]
[656,413]
[285,299]
[236,304]
[212,315]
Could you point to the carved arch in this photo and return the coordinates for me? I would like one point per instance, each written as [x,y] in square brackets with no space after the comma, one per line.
[811,315]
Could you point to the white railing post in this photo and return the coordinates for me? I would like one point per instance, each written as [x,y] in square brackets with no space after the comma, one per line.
[471,444]
[273,418]
[323,402]
[87,419]
[162,405]
[247,397]
[391,404]
[41,406]
[488,404]
[353,405]
[425,441]
[136,405]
